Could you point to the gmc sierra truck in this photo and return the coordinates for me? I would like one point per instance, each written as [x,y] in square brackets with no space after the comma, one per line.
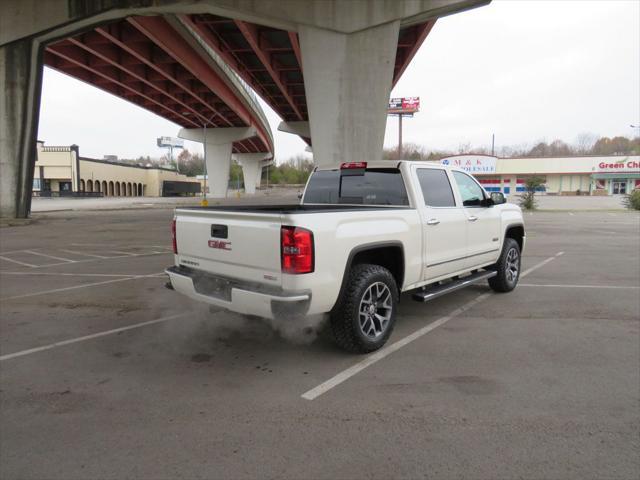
[363,233]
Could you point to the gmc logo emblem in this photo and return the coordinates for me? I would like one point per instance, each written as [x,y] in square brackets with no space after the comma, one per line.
[222,245]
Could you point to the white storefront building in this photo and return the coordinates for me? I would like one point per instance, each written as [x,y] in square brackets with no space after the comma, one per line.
[590,175]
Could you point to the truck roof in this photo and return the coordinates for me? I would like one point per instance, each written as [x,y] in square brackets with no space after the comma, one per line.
[392,164]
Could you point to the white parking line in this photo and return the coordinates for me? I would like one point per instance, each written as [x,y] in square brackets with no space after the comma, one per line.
[621,287]
[18,262]
[90,259]
[385,351]
[122,253]
[50,256]
[380,354]
[82,253]
[57,274]
[75,287]
[89,337]
[541,264]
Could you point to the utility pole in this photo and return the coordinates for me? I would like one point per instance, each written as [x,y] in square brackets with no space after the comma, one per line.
[170,143]
[204,202]
[400,136]
[493,144]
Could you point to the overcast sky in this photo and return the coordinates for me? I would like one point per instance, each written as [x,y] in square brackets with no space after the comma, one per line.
[524,70]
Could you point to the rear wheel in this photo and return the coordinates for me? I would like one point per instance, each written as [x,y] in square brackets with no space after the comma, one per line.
[508,267]
[365,314]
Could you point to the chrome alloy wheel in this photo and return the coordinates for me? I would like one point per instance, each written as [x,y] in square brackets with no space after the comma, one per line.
[512,265]
[375,310]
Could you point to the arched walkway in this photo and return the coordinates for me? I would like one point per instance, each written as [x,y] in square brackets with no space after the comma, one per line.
[139,189]
[117,189]
[104,188]
[129,189]
[89,185]
[96,185]
[123,189]
[111,191]
[82,185]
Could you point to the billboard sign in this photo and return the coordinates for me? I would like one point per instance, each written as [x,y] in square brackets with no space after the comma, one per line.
[472,163]
[173,142]
[404,105]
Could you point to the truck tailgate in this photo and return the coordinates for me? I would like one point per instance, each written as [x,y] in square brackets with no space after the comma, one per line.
[241,245]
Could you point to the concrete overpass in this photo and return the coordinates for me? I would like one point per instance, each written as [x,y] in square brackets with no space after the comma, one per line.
[352,53]
[270,60]
[160,65]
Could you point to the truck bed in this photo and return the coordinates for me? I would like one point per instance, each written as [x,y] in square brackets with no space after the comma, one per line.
[295,208]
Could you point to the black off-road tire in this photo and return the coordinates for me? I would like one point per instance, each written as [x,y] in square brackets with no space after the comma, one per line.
[345,319]
[504,282]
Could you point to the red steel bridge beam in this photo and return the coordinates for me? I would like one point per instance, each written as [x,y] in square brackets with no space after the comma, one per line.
[230,56]
[420,34]
[250,33]
[114,58]
[163,35]
[144,56]
[110,74]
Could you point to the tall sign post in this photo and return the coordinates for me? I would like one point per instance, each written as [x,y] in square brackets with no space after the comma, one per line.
[403,107]
[170,143]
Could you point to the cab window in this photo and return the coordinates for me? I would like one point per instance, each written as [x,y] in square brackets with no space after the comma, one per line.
[378,186]
[471,193]
[436,188]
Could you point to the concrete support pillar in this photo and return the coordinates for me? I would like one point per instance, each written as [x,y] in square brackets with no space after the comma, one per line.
[347,80]
[259,176]
[20,88]
[219,144]
[218,161]
[251,169]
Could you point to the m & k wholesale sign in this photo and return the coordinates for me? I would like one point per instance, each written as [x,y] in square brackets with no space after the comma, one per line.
[472,163]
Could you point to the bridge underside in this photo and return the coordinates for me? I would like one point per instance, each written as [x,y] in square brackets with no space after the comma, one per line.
[326,67]
[270,59]
[146,61]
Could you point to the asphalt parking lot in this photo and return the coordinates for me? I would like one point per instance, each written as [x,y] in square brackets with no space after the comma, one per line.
[107,374]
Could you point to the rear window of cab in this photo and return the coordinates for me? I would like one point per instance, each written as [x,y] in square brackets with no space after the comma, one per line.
[376,186]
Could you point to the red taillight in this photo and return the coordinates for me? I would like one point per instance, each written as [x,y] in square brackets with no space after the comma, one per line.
[297,250]
[174,242]
[350,165]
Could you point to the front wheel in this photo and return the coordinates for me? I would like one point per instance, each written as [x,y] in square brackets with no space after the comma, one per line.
[508,267]
[365,314]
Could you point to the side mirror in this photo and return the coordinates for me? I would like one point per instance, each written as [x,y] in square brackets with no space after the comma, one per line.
[498,198]
[299,196]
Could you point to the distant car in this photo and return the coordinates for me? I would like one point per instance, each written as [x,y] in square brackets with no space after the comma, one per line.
[363,233]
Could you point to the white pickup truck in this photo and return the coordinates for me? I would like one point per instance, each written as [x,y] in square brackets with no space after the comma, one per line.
[362,234]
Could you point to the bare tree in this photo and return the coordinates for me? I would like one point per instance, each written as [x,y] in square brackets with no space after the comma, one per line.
[464,148]
[585,142]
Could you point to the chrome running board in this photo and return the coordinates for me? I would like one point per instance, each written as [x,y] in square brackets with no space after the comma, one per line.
[442,289]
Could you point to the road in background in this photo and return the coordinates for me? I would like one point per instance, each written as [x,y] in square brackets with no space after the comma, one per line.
[289,195]
[271,195]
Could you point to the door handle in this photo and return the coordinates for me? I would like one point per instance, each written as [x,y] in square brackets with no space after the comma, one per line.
[472,218]
[433,221]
